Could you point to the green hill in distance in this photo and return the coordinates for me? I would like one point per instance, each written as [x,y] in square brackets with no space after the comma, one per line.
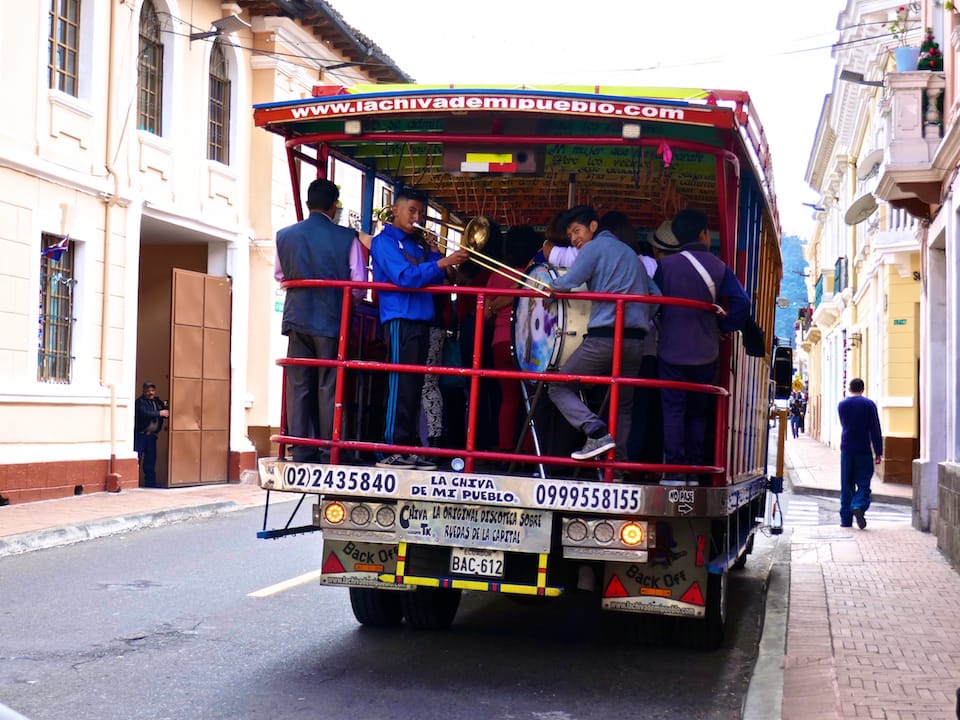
[793,287]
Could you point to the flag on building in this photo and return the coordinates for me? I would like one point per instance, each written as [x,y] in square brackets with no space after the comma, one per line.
[55,252]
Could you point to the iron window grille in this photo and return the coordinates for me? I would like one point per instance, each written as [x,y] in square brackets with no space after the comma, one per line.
[150,71]
[64,46]
[55,333]
[218,122]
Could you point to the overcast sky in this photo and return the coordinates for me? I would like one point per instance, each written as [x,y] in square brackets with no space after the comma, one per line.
[778,52]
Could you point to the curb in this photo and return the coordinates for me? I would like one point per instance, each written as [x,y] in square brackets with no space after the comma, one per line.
[764,698]
[875,497]
[70,534]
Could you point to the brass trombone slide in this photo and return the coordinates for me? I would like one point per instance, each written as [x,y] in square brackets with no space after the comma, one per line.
[473,238]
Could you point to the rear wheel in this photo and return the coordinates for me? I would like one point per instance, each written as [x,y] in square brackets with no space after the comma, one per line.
[430,608]
[742,560]
[376,608]
[708,633]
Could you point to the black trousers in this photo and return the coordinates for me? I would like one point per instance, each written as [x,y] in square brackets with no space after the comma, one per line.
[407,343]
[310,391]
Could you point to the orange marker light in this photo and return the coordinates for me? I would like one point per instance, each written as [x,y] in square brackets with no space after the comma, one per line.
[334,513]
[631,534]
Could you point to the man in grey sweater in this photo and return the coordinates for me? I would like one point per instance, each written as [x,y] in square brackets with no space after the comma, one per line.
[606,265]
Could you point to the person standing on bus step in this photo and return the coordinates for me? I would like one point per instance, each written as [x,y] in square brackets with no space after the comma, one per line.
[689,346]
[606,265]
[401,257]
[861,447]
[315,248]
[149,412]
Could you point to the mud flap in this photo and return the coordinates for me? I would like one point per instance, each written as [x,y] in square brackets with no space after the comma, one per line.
[673,581]
[353,563]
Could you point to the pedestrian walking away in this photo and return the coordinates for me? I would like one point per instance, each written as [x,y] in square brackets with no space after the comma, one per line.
[861,447]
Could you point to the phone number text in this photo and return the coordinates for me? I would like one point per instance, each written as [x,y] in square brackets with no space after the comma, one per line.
[380,483]
[605,497]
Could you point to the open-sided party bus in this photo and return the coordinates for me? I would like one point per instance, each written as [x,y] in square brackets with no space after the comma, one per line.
[528,519]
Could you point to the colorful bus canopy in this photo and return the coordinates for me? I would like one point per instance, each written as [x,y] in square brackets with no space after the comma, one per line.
[520,154]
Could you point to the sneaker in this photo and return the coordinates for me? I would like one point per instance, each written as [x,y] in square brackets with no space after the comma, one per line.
[399,462]
[861,520]
[594,447]
[422,463]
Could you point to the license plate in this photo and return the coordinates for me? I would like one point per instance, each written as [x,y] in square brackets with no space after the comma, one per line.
[475,561]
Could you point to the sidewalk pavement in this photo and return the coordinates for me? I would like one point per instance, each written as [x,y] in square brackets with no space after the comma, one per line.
[858,623]
[50,523]
[868,623]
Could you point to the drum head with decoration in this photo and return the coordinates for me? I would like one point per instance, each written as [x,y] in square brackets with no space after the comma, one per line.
[537,326]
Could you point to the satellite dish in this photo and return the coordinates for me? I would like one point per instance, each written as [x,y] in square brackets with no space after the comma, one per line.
[783,303]
[868,166]
[861,209]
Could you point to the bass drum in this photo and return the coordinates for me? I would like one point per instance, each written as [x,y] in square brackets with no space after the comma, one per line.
[545,333]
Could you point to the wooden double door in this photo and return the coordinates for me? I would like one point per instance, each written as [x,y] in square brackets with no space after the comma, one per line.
[199,442]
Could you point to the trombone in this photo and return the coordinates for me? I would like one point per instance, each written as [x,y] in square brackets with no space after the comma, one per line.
[472,239]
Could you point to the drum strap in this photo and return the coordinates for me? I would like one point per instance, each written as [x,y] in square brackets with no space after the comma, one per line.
[698,266]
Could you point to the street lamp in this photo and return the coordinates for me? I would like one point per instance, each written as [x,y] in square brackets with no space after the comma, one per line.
[224,26]
[857,79]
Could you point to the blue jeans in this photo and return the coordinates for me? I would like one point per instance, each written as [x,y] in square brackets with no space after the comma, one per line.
[855,474]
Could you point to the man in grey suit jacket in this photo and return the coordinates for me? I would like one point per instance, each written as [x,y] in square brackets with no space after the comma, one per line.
[315,248]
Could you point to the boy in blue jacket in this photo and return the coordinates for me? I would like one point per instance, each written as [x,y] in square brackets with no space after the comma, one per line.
[399,257]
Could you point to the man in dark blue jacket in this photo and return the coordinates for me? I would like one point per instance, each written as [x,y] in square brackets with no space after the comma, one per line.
[399,257]
[689,346]
[861,447]
[315,248]
[149,414]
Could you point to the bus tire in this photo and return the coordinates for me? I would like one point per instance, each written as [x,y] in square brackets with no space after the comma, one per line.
[430,608]
[376,608]
[707,633]
[741,561]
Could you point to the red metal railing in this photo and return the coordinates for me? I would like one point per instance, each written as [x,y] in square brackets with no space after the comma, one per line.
[337,444]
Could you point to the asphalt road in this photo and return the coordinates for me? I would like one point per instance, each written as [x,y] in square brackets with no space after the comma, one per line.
[159,624]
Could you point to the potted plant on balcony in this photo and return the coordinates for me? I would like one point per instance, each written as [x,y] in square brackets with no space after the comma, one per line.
[931,58]
[906,57]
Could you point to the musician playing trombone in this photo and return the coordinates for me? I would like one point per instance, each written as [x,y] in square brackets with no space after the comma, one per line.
[606,265]
[400,256]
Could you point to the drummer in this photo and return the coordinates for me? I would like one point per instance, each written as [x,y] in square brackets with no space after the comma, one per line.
[607,265]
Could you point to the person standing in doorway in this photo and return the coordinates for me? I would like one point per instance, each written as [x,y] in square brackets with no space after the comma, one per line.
[861,447]
[149,414]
